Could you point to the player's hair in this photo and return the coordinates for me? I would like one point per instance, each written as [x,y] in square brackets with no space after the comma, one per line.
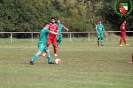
[100,20]
[123,21]
[52,18]
[46,23]
[57,20]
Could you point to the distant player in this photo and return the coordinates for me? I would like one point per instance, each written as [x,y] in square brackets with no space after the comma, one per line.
[123,33]
[42,44]
[100,30]
[60,27]
[52,38]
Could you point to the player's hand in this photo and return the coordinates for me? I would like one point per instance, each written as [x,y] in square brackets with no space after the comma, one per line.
[67,29]
[59,34]
[105,34]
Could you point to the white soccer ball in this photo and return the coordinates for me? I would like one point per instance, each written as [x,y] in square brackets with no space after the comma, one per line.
[57,61]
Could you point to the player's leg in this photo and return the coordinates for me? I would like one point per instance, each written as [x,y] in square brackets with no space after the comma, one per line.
[48,56]
[98,40]
[101,37]
[54,46]
[121,38]
[120,42]
[59,41]
[102,42]
[58,45]
[35,56]
[47,44]
[124,39]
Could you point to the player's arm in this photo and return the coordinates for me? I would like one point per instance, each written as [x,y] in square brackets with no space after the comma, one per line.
[65,28]
[55,33]
[56,28]
[105,32]
[96,30]
[123,28]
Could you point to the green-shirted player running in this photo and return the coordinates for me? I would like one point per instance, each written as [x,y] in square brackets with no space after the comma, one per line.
[60,27]
[42,44]
[99,30]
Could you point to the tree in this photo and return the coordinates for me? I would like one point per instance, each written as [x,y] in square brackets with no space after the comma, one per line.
[77,15]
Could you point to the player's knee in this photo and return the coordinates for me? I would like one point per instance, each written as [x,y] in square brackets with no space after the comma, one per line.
[98,38]
[48,51]
[59,40]
[54,45]
[39,53]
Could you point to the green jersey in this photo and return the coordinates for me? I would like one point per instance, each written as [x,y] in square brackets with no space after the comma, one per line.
[60,26]
[99,28]
[43,36]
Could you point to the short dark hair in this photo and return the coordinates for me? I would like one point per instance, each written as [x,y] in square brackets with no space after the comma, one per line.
[52,18]
[46,23]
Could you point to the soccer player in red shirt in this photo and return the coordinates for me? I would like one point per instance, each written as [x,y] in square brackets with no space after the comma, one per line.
[123,33]
[52,38]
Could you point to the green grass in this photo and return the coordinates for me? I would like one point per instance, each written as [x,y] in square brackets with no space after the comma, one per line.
[93,38]
[83,65]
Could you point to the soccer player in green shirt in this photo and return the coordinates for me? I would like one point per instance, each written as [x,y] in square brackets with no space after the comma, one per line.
[42,44]
[60,27]
[100,30]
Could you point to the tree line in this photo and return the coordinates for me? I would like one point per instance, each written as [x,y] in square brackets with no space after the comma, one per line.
[77,15]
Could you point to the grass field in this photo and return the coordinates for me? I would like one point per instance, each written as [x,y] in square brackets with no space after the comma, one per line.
[83,65]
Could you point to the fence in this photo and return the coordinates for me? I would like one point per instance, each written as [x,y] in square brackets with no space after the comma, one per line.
[87,36]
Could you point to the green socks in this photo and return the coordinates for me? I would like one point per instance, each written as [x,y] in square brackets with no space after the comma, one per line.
[49,58]
[58,43]
[98,41]
[101,41]
[34,57]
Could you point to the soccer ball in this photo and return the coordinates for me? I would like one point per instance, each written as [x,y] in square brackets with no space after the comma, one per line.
[57,61]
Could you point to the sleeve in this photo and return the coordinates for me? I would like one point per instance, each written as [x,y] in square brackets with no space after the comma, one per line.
[121,27]
[103,27]
[63,25]
[40,34]
[47,31]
